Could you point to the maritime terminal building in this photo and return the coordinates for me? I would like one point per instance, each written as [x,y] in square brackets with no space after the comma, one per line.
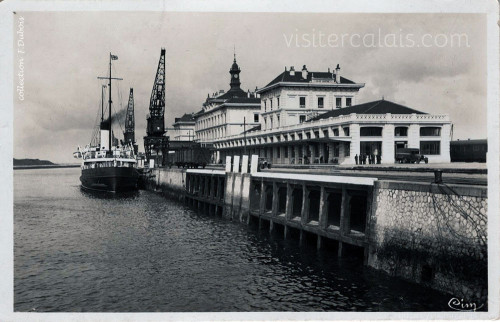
[307,117]
[228,113]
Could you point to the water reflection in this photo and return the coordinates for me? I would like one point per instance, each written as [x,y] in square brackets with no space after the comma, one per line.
[77,250]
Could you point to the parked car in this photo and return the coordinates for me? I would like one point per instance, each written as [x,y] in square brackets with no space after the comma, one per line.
[408,155]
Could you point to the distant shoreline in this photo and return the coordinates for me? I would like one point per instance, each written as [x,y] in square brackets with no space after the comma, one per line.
[48,166]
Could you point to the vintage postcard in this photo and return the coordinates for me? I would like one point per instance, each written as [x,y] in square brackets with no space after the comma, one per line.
[205,160]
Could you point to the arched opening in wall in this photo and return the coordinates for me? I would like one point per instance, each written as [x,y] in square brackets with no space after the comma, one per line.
[269,198]
[353,252]
[297,202]
[309,239]
[330,245]
[358,205]
[255,192]
[314,200]
[278,230]
[293,233]
[264,224]
[334,204]
[282,200]
[253,221]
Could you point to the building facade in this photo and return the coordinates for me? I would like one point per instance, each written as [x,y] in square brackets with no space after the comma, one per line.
[227,113]
[183,128]
[375,129]
[294,97]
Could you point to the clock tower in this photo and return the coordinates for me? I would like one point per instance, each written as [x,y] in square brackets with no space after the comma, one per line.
[235,75]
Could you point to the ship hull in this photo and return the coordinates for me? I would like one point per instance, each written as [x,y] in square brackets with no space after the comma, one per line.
[112,179]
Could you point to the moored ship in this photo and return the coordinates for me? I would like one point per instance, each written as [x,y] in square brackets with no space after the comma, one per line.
[106,167]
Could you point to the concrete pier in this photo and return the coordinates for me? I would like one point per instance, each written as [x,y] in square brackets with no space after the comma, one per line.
[429,233]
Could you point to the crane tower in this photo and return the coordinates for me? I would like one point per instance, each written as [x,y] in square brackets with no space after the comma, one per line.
[129,134]
[155,142]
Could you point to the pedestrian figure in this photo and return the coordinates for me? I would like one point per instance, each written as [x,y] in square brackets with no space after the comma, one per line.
[369,159]
[356,159]
[364,158]
[378,159]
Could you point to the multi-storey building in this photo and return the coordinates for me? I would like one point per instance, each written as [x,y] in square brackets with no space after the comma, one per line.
[227,113]
[183,128]
[313,117]
[294,97]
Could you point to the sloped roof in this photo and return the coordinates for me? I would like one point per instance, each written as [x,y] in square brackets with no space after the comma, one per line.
[297,78]
[375,107]
[187,117]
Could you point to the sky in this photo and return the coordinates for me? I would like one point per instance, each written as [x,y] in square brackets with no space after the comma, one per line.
[410,59]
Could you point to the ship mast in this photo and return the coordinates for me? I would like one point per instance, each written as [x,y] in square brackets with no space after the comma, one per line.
[110,101]
[109,78]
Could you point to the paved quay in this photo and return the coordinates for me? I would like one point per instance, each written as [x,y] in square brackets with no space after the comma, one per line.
[453,173]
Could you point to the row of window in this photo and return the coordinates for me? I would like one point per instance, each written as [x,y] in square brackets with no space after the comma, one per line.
[211,121]
[399,131]
[212,134]
[302,102]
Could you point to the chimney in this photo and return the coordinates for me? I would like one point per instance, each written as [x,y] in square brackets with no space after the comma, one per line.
[304,72]
[292,71]
[248,93]
[337,74]
[328,70]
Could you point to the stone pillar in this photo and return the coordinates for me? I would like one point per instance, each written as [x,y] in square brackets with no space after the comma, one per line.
[244,164]
[228,164]
[262,198]
[236,164]
[345,214]
[355,145]
[322,152]
[387,144]
[330,155]
[289,201]
[304,152]
[211,193]
[318,242]
[445,143]
[220,182]
[254,164]
[274,208]
[323,208]
[414,135]
[296,147]
[305,205]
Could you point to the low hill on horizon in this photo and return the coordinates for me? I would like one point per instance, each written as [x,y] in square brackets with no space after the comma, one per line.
[21,162]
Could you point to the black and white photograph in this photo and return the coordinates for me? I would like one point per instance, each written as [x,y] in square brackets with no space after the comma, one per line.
[214,161]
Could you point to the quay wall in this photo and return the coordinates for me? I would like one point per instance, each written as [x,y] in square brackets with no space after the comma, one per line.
[431,234]
[170,182]
[435,235]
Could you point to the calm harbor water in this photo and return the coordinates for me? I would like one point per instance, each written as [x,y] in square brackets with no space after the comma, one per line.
[80,251]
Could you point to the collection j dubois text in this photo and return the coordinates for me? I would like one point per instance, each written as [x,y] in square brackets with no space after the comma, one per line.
[20,58]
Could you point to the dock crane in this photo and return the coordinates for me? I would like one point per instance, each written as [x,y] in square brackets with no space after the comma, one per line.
[129,134]
[155,142]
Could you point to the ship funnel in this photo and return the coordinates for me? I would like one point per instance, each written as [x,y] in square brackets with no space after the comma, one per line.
[104,135]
